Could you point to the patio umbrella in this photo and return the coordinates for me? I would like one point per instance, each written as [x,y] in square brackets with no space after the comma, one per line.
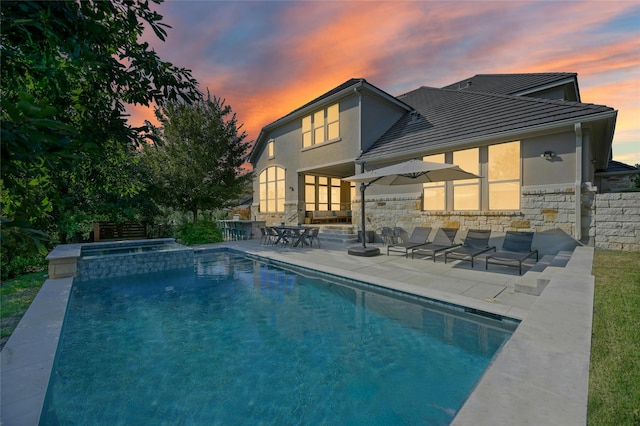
[406,173]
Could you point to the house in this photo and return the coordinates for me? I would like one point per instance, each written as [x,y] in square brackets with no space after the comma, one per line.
[617,177]
[536,146]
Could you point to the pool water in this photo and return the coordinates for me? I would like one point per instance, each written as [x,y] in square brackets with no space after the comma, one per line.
[241,341]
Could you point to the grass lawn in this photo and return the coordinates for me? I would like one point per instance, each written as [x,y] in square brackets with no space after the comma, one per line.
[614,382]
[15,297]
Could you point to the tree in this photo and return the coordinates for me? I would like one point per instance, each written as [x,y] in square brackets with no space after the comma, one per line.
[199,165]
[111,188]
[67,70]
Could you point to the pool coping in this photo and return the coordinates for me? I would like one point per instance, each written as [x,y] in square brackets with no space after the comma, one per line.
[541,376]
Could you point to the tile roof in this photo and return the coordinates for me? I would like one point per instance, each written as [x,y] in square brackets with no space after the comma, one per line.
[617,167]
[508,84]
[337,89]
[452,116]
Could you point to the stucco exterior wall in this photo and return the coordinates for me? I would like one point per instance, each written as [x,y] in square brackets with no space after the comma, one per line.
[561,169]
[345,149]
[377,118]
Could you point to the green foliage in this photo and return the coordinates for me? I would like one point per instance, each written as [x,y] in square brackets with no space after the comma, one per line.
[68,69]
[201,233]
[13,266]
[636,181]
[199,163]
[16,295]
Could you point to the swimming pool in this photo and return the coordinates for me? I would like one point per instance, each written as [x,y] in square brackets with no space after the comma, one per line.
[243,341]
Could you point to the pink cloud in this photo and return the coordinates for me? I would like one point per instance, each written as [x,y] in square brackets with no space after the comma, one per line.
[268,58]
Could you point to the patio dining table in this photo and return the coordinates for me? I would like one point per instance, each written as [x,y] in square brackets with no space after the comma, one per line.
[296,234]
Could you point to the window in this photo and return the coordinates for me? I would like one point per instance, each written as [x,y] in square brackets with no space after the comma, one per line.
[318,127]
[306,131]
[466,193]
[321,126]
[433,192]
[504,176]
[499,190]
[310,192]
[272,190]
[334,194]
[333,122]
[322,193]
[270,149]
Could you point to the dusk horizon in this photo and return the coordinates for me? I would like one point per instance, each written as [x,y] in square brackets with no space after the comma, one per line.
[267,58]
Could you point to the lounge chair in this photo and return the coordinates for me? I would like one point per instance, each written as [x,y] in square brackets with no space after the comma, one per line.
[442,241]
[475,243]
[418,237]
[516,248]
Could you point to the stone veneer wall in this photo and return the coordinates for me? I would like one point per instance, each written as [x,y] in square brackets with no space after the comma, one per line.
[541,210]
[119,265]
[291,216]
[617,221]
[609,221]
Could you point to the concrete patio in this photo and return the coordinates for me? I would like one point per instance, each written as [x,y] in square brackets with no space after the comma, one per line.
[540,377]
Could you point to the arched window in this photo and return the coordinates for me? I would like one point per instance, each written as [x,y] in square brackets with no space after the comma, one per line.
[272,190]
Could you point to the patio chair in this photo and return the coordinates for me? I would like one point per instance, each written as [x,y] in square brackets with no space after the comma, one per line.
[264,236]
[272,235]
[397,235]
[313,236]
[442,241]
[475,243]
[516,248]
[418,237]
[387,235]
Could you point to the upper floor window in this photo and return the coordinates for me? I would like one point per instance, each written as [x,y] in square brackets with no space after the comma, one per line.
[321,126]
[270,149]
[272,190]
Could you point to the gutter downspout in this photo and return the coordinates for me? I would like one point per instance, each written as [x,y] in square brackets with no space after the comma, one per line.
[578,182]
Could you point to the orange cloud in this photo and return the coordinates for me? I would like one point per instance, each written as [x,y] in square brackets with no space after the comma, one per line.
[307,48]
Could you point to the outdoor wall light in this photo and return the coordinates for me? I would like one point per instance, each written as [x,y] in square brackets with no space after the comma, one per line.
[291,188]
[548,155]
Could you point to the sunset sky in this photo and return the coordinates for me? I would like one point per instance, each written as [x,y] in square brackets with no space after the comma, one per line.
[266,58]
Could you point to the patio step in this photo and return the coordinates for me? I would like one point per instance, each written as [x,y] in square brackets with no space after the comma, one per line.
[536,279]
[342,234]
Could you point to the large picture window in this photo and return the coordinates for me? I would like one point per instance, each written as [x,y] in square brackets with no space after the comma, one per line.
[272,190]
[504,176]
[321,126]
[501,186]
[466,192]
[434,192]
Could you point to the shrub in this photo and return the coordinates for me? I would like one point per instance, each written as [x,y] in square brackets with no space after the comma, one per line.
[21,264]
[201,233]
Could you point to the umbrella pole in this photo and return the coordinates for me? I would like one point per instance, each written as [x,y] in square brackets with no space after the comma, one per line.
[364,239]
[364,250]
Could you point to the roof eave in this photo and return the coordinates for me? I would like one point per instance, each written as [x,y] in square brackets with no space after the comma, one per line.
[573,79]
[507,135]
